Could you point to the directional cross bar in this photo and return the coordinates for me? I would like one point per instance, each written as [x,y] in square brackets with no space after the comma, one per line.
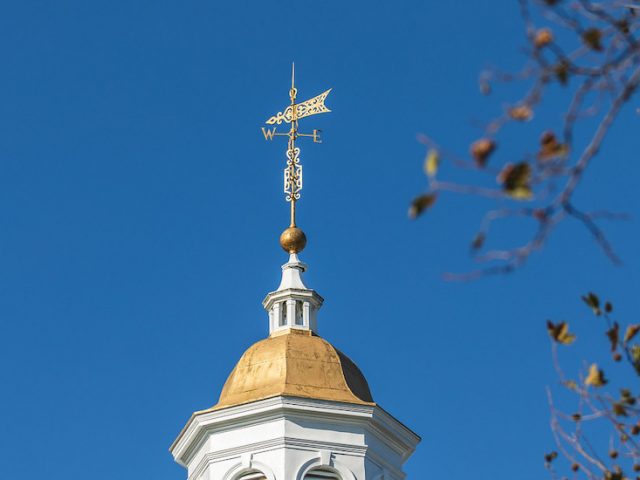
[269,133]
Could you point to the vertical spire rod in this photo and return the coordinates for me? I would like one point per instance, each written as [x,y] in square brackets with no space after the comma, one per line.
[293,133]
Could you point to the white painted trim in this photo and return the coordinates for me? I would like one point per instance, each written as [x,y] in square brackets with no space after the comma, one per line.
[373,418]
[337,467]
[388,469]
[239,469]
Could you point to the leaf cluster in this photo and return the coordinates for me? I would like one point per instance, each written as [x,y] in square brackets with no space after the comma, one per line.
[589,50]
[597,401]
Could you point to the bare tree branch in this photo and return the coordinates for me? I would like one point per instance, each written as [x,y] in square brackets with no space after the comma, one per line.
[598,64]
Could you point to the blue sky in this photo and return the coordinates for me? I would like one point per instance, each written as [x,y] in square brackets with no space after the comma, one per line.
[140,209]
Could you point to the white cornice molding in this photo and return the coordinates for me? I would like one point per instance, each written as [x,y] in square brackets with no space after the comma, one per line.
[372,418]
[400,436]
[279,295]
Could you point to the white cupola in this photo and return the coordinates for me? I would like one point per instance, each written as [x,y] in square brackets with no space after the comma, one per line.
[293,305]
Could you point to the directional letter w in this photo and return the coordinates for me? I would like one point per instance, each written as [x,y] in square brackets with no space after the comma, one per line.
[268,133]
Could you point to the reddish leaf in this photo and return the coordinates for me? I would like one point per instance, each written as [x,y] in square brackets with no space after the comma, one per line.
[543,37]
[481,149]
[614,336]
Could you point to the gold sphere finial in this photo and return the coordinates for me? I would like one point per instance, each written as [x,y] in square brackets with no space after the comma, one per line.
[293,240]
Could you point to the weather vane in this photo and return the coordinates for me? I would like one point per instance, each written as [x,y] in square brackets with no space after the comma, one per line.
[293,239]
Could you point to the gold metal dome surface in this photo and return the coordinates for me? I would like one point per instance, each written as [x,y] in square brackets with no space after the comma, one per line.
[294,363]
[293,240]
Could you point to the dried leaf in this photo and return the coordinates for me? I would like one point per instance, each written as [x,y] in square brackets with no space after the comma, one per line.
[431,163]
[543,37]
[593,39]
[614,336]
[614,475]
[420,204]
[550,148]
[596,377]
[521,113]
[478,241]
[515,180]
[560,332]
[627,397]
[593,302]
[619,410]
[632,331]
[550,457]
[623,26]
[481,150]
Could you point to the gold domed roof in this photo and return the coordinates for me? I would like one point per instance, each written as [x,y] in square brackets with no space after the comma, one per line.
[294,363]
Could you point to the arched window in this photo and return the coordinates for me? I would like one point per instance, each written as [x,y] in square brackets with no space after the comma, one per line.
[252,476]
[321,474]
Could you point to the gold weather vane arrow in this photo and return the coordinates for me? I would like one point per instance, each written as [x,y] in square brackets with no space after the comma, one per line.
[312,106]
[293,239]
